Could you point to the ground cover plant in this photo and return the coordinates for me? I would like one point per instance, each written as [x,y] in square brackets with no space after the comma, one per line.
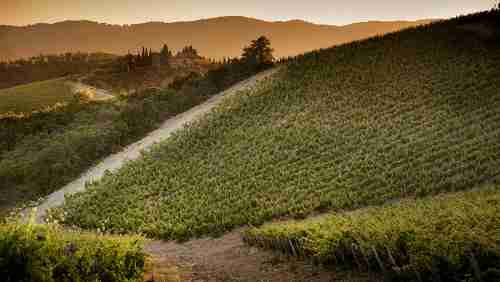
[408,114]
[40,152]
[452,237]
[35,96]
[47,253]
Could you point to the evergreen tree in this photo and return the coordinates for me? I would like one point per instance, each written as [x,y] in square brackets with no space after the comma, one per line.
[165,55]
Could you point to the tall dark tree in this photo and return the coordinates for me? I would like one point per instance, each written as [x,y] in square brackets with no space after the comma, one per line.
[165,55]
[130,62]
[259,53]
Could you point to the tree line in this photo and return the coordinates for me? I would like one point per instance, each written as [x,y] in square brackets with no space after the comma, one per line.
[45,67]
[148,58]
[256,57]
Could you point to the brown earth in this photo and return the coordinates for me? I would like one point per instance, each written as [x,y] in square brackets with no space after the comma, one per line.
[228,259]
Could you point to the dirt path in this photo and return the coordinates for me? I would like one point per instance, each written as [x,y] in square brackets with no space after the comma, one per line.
[133,151]
[228,259]
[92,92]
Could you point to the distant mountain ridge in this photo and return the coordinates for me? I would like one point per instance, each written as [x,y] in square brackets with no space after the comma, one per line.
[215,37]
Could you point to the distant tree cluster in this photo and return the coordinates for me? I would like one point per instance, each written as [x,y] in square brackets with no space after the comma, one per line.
[165,55]
[44,67]
[148,58]
[256,57]
[188,52]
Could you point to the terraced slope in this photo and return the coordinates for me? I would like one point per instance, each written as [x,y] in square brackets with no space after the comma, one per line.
[442,234]
[409,114]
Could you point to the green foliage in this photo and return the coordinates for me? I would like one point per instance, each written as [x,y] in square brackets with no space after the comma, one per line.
[255,58]
[42,152]
[444,238]
[412,113]
[35,96]
[258,54]
[47,253]
[45,67]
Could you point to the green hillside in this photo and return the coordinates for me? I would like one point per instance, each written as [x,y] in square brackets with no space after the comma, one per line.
[35,96]
[411,236]
[408,114]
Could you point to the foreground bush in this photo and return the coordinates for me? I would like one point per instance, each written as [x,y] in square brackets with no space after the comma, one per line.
[46,253]
[446,238]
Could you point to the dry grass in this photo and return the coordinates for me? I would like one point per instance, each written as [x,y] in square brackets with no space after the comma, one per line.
[35,96]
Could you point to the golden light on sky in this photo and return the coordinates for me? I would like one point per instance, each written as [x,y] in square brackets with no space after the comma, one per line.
[338,12]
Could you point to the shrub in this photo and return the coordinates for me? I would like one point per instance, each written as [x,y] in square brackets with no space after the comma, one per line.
[47,253]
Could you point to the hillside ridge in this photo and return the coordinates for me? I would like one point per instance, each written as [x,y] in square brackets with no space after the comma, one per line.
[215,37]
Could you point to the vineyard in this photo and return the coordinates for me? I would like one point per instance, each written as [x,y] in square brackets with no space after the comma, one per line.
[409,114]
[43,151]
[425,236]
[35,96]
[49,253]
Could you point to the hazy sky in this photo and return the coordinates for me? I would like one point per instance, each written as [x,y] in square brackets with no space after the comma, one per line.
[338,12]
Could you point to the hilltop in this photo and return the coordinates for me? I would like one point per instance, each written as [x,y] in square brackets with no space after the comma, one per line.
[215,38]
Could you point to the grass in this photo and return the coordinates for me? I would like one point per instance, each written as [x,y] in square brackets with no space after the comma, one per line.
[40,153]
[453,237]
[47,253]
[412,113]
[35,96]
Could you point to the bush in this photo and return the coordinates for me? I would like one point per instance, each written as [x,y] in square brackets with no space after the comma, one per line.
[46,253]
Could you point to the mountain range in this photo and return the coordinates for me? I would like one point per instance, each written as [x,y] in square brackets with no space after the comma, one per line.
[215,38]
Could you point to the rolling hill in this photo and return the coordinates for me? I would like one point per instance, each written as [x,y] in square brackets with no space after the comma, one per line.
[363,131]
[216,38]
[409,114]
[35,96]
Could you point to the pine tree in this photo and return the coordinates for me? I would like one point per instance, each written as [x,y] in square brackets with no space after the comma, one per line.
[165,55]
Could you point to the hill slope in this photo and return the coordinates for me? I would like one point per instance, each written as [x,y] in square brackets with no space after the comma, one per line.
[217,37]
[406,237]
[35,96]
[408,114]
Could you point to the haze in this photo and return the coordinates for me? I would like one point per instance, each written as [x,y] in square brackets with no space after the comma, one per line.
[337,12]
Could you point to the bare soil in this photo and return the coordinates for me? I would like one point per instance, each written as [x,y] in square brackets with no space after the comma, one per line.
[228,259]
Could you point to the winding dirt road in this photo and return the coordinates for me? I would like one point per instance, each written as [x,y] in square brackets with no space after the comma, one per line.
[133,151]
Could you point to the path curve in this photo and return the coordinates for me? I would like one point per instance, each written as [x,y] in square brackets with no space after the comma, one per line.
[92,92]
[133,151]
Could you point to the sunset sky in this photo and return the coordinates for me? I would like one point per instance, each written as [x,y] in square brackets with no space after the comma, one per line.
[337,12]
